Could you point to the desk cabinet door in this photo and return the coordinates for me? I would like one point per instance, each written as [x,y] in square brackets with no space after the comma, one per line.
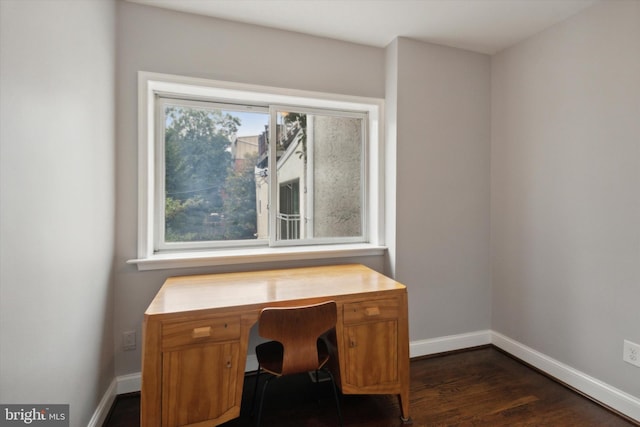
[199,384]
[371,343]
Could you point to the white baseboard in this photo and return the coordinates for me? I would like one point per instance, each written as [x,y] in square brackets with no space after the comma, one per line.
[449,343]
[602,392]
[129,383]
[616,399]
[120,385]
[101,412]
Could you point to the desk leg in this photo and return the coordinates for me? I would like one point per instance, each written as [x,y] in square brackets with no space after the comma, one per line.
[403,399]
[150,396]
[404,361]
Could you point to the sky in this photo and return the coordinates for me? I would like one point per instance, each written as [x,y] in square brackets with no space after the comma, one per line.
[251,123]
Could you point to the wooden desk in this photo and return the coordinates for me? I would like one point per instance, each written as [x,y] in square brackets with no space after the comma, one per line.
[196,334]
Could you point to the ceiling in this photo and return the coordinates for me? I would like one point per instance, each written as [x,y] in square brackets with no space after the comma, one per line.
[485,26]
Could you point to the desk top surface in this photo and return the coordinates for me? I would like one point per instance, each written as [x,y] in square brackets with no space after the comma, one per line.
[211,291]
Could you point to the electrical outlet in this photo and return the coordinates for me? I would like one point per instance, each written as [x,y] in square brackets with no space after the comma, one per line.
[129,340]
[631,353]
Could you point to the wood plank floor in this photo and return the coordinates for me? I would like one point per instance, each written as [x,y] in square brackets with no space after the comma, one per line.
[481,387]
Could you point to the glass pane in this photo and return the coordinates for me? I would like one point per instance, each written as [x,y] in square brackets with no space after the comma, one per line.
[213,161]
[320,176]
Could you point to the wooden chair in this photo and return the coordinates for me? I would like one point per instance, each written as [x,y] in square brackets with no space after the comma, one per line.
[297,344]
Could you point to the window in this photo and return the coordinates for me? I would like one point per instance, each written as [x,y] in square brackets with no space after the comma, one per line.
[228,167]
[207,175]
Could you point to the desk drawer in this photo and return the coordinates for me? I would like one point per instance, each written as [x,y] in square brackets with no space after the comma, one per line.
[200,331]
[366,311]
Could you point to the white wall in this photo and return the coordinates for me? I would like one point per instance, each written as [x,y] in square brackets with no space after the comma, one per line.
[157,40]
[56,203]
[565,184]
[442,197]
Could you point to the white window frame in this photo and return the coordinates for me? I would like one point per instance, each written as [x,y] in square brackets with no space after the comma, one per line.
[152,84]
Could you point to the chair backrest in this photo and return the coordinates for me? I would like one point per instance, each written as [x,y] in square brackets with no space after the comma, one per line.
[298,329]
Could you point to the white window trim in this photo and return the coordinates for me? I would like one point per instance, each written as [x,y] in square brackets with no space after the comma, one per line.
[150,84]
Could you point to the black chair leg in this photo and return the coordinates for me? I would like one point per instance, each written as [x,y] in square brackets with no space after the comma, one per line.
[317,386]
[264,389]
[255,392]
[335,394]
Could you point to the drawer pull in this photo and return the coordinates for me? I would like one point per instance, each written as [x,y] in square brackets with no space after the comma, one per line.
[203,332]
[372,311]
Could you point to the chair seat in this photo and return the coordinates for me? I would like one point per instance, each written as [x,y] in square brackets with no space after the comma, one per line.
[270,355]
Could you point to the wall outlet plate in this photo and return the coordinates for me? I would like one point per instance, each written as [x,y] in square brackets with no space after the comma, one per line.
[631,353]
[129,340]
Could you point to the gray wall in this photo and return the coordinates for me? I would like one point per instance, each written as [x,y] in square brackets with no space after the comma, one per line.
[520,171]
[443,177]
[56,203]
[390,151]
[565,191]
[442,195]
[163,41]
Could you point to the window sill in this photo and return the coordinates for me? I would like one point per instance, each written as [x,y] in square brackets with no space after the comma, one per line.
[253,255]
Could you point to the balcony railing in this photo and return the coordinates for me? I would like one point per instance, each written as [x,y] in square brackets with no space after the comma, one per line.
[289,226]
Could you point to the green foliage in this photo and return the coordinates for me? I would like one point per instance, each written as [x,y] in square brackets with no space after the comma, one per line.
[196,152]
[299,121]
[197,163]
[240,211]
[181,218]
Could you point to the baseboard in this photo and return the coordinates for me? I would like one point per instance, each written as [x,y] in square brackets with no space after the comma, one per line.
[102,411]
[129,383]
[607,395]
[449,343]
[132,383]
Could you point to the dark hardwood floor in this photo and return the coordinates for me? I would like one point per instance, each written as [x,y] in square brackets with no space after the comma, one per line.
[480,387]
